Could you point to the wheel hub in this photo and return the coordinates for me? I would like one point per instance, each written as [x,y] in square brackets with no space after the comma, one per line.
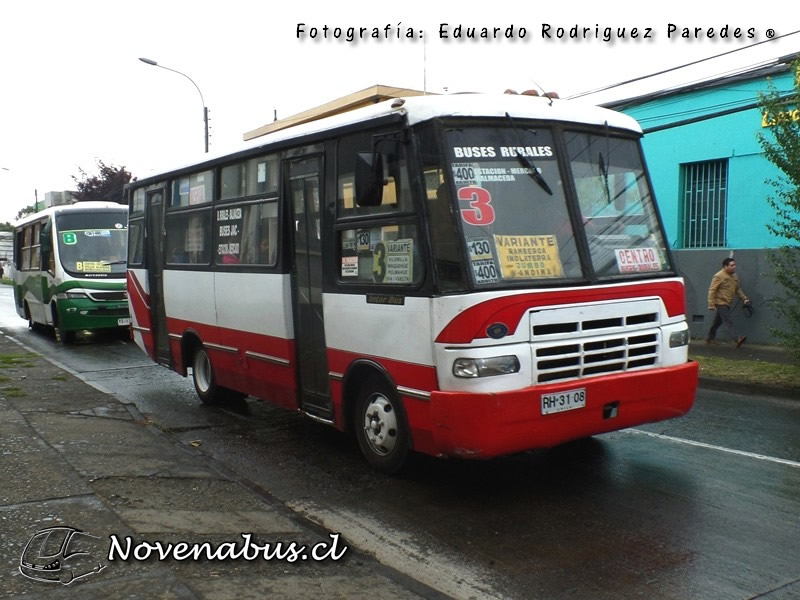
[380,425]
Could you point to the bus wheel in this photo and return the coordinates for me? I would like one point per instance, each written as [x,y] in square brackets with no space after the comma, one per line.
[66,337]
[32,325]
[381,427]
[205,382]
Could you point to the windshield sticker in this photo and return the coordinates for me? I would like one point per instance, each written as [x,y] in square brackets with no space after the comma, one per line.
[364,240]
[479,248]
[69,237]
[465,174]
[638,260]
[93,267]
[399,261]
[97,233]
[481,211]
[528,256]
[349,266]
[197,194]
[484,271]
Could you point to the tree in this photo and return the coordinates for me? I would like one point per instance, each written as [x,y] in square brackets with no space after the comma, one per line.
[24,212]
[107,186]
[781,145]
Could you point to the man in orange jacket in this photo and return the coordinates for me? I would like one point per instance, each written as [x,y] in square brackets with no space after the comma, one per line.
[724,286]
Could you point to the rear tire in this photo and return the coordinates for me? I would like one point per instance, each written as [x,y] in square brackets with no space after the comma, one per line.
[32,325]
[205,381]
[380,426]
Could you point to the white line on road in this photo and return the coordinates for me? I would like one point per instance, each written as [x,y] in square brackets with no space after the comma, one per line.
[403,552]
[669,438]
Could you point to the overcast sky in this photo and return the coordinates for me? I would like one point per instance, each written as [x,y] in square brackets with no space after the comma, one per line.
[73,90]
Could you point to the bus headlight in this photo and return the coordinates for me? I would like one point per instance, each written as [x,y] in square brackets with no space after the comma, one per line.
[485,367]
[679,338]
[72,295]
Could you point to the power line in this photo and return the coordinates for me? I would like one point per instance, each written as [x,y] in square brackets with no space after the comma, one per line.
[635,79]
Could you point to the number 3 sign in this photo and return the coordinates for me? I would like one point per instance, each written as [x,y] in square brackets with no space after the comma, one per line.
[480,211]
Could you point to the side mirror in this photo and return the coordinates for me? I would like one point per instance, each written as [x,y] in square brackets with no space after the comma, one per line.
[369,179]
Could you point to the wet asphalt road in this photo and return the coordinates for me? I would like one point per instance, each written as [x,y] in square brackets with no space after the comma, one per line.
[707,506]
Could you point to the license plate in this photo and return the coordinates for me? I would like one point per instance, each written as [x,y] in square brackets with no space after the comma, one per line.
[122,322]
[561,401]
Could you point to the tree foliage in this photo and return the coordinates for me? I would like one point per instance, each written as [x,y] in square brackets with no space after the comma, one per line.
[106,186]
[24,212]
[781,145]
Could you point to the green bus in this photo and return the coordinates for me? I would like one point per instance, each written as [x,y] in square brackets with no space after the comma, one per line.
[69,268]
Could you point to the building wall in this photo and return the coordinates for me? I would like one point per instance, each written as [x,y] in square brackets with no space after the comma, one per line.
[697,267]
[731,136]
[6,246]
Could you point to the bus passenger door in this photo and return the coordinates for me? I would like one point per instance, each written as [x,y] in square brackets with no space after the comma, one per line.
[304,191]
[155,274]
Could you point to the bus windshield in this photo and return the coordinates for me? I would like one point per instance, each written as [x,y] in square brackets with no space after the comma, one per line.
[513,205]
[617,208]
[93,244]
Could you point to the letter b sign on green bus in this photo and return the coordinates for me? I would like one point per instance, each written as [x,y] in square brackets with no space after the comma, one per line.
[70,238]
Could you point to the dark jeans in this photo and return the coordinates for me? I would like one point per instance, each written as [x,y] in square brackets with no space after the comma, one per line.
[722,317]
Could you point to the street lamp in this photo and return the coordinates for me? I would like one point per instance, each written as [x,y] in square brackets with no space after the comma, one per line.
[205,109]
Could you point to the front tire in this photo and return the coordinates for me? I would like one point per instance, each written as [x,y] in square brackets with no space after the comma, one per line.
[380,427]
[67,337]
[64,336]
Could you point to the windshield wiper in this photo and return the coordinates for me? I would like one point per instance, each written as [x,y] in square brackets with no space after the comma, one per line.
[113,262]
[526,161]
[604,173]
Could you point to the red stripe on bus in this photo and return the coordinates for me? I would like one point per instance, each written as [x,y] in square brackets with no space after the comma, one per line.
[140,303]
[412,375]
[134,285]
[255,376]
[472,323]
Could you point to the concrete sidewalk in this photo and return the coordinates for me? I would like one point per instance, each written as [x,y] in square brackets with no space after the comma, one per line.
[73,457]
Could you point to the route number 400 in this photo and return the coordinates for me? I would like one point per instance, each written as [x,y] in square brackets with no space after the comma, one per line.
[480,211]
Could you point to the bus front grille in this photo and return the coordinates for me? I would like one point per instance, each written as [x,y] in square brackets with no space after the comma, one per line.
[575,359]
[108,296]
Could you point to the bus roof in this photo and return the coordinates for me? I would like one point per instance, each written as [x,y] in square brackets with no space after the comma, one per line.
[423,108]
[418,109]
[75,207]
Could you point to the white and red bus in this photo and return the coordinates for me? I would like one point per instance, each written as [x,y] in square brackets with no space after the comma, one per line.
[464,276]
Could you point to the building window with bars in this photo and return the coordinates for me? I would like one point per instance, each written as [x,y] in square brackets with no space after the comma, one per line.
[704,208]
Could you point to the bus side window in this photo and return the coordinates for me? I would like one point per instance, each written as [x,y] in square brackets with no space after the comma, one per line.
[396,193]
[188,237]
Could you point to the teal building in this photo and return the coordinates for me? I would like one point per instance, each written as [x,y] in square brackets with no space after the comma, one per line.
[711,180]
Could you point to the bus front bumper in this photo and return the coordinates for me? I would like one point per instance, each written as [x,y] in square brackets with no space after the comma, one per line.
[75,315]
[488,425]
